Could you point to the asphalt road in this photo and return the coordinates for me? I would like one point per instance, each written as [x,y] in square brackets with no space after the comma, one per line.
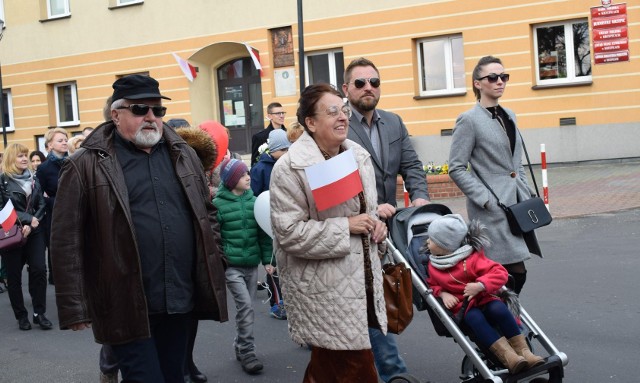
[582,296]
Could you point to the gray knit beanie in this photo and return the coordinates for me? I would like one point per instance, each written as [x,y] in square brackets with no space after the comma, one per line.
[278,140]
[448,231]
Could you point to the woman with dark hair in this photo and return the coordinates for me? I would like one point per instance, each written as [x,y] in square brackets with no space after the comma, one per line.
[19,186]
[328,258]
[37,158]
[486,137]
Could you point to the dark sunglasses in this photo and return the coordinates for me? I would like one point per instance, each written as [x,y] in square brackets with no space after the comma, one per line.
[494,77]
[361,82]
[143,109]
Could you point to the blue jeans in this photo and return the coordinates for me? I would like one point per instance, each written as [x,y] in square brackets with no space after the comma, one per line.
[159,359]
[242,283]
[483,320]
[385,351]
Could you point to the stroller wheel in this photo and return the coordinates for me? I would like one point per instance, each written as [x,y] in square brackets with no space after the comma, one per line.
[404,378]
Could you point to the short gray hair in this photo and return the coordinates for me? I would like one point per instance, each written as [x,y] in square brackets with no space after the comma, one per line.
[118,103]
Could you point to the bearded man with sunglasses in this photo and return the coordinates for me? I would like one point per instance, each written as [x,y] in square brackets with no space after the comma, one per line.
[386,138]
[135,240]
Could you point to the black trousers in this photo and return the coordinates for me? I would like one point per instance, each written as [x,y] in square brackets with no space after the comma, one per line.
[159,359]
[31,254]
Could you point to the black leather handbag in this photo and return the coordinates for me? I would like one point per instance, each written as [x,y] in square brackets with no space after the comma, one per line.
[524,216]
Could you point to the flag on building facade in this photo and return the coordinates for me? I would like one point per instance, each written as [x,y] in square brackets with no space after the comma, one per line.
[334,181]
[255,56]
[188,69]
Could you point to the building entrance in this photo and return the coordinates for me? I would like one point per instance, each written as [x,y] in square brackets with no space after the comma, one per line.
[240,95]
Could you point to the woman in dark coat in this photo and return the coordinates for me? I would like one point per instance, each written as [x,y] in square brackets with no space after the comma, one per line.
[48,172]
[19,185]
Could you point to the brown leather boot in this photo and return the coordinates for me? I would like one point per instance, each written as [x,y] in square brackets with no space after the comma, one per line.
[507,356]
[519,345]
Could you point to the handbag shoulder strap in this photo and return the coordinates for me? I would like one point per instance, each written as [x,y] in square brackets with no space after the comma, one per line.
[526,154]
[533,177]
[491,190]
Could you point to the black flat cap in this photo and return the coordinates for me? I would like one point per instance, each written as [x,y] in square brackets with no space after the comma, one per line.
[136,87]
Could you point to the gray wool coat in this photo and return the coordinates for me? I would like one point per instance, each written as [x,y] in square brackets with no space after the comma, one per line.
[480,140]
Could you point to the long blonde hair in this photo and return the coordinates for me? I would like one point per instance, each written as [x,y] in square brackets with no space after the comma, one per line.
[9,158]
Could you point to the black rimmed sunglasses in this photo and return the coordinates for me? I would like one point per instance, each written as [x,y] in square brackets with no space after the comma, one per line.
[361,82]
[143,109]
[492,77]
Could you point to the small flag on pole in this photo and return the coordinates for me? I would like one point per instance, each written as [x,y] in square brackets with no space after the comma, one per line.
[335,180]
[188,69]
[8,216]
[255,56]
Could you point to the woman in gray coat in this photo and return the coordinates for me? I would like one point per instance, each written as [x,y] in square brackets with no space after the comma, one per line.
[486,138]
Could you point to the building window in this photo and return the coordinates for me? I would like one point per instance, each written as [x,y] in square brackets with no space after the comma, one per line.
[40,143]
[441,66]
[327,67]
[2,12]
[563,52]
[57,8]
[7,110]
[127,2]
[66,99]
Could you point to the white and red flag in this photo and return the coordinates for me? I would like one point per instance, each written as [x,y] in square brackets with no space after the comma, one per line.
[335,180]
[255,57]
[188,69]
[8,216]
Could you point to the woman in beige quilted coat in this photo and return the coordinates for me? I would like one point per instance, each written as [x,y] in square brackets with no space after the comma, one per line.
[329,268]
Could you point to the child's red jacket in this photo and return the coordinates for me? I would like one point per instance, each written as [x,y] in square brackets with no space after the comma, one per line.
[475,268]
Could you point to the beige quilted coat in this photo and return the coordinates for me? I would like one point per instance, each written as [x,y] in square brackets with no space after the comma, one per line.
[320,264]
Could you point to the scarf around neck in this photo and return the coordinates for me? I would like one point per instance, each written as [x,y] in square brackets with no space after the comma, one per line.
[443,262]
[25,180]
[55,159]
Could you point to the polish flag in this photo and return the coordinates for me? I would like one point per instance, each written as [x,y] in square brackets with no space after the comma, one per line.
[335,180]
[255,56]
[8,216]
[188,69]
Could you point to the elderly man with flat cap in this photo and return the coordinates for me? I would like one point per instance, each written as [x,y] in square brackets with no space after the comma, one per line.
[135,242]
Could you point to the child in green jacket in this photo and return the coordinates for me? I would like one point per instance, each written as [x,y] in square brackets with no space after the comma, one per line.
[245,247]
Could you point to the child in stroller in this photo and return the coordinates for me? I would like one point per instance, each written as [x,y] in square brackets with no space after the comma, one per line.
[408,231]
[468,284]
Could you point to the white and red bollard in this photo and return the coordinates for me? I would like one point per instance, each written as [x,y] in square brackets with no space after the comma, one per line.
[406,195]
[545,186]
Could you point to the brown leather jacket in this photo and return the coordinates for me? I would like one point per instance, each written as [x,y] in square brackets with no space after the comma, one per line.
[93,245]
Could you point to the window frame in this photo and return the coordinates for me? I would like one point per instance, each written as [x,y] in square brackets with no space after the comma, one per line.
[124,3]
[333,75]
[6,94]
[571,78]
[450,89]
[2,16]
[74,104]
[67,10]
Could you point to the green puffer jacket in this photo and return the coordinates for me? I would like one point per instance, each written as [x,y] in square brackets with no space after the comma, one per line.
[244,242]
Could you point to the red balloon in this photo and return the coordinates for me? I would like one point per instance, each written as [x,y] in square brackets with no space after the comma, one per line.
[218,134]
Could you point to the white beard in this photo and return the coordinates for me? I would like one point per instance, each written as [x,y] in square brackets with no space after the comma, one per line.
[145,139]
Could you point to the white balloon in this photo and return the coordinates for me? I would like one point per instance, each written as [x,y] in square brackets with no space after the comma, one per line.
[262,212]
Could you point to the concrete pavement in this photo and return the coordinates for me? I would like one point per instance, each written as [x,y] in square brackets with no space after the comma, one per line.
[583,188]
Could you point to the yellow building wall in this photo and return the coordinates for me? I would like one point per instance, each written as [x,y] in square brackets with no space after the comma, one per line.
[36,54]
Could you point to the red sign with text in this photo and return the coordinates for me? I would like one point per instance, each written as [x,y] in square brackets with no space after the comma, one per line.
[612,10]
[609,33]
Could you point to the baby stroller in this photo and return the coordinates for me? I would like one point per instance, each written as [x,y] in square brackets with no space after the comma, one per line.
[408,232]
